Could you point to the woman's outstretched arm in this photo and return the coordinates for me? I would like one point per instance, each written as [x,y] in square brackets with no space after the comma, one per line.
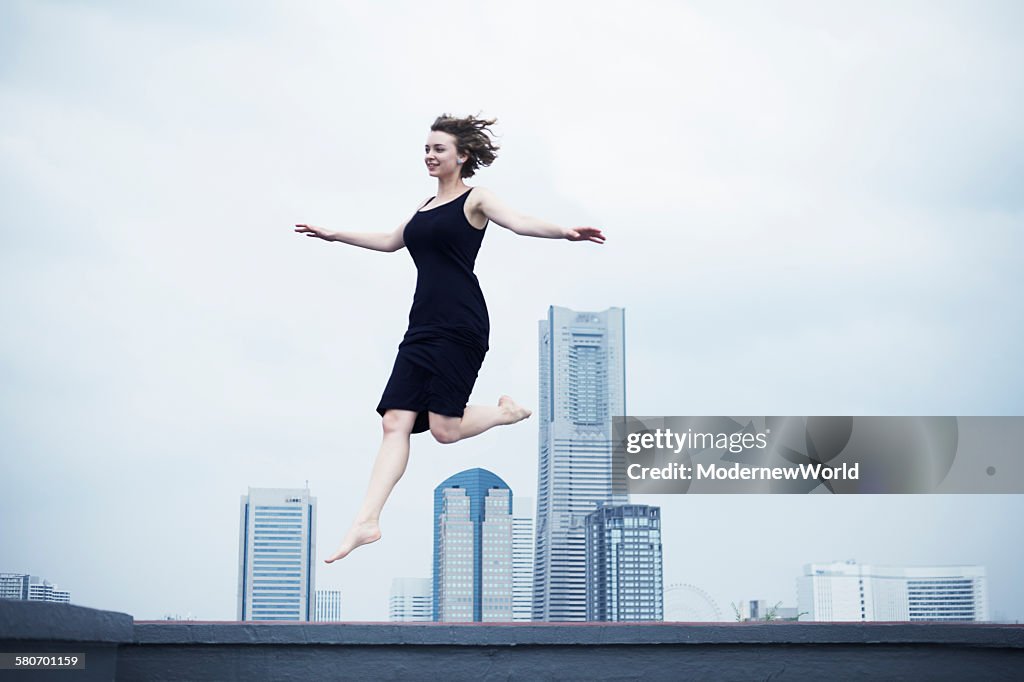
[377,241]
[498,212]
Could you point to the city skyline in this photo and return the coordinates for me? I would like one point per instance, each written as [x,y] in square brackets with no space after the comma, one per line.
[822,217]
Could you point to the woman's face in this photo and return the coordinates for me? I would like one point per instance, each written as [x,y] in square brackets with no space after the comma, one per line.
[441,158]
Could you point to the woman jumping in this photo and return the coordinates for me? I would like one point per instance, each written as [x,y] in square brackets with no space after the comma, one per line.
[444,347]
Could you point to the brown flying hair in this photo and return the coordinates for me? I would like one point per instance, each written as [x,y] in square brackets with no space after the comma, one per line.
[472,138]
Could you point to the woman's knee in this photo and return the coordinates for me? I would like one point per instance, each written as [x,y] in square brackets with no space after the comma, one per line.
[398,421]
[445,430]
[444,435]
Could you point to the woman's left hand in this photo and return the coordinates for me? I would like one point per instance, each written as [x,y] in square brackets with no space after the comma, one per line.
[584,234]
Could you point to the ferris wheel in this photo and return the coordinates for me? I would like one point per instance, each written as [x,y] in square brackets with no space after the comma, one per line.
[685,603]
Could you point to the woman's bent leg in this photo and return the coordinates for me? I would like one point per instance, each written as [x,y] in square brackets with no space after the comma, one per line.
[388,468]
[475,420]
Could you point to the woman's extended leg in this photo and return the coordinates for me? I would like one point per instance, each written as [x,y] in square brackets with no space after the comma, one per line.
[475,420]
[389,466]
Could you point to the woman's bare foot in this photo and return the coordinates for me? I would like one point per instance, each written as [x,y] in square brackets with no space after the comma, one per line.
[512,410]
[358,535]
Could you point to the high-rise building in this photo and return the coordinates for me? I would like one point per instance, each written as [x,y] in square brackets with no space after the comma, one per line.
[410,600]
[277,555]
[848,591]
[31,588]
[582,387]
[624,567]
[473,548]
[328,605]
[522,557]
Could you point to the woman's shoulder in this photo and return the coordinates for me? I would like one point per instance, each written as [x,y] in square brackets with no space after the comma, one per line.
[477,195]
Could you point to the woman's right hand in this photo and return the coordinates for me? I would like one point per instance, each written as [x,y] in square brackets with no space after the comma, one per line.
[314,231]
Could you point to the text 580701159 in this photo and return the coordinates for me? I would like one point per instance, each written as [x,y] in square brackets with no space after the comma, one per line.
[36,661]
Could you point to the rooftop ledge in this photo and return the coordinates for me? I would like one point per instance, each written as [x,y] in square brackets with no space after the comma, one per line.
[117,647]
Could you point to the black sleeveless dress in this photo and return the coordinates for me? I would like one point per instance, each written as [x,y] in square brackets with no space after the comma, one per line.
[444,347]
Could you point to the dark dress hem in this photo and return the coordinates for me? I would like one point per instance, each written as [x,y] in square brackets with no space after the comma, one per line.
[422,422]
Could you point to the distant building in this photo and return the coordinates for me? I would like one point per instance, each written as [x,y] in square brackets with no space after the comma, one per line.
[762,609]
[472,548]
[522,557]
[328,605]
[410,600]
[277,555]
[31,588]
[848,591]
[624,563]
[582,387]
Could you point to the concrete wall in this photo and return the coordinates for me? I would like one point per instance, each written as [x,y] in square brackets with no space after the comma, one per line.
[168,650]
[45,628]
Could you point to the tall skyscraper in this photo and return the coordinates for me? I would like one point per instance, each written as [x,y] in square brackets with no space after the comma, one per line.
[31,588]
[410,600]
[277,555]
[624,568]
[328,605]
[522,557]
[848,591]
[582,386]
[473,548]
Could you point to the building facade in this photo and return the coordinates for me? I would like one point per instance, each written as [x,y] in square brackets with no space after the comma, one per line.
[31,588]
[277,555]
[410,601]
[624,563]
[472,580]
[328,605]
[848,591]
[582,386]
[522,557]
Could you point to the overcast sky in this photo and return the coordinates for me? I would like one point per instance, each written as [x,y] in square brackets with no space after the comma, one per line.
[811,208]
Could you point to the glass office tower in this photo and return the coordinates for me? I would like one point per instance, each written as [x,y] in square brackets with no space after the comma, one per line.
[472,548]
[582,386]
[277,555]
[624,566]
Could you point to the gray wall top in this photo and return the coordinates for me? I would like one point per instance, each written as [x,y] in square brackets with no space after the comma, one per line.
[1011,636]
[38,620]
[43,621]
